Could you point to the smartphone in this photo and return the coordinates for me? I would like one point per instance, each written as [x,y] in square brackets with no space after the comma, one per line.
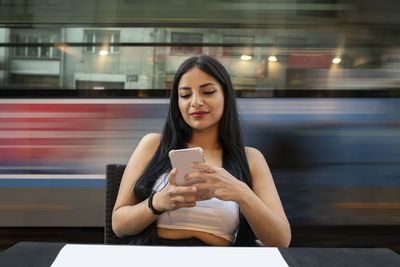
[181,159]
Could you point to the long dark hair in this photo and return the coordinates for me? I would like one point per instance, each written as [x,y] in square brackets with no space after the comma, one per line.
[176,134]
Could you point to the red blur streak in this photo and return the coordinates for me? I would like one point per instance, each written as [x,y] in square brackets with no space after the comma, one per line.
[74,117]
[310,60]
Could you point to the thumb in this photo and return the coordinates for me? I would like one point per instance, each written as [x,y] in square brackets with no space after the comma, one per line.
[172,175]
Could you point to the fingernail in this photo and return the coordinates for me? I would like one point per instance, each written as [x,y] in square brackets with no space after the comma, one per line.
[194,189]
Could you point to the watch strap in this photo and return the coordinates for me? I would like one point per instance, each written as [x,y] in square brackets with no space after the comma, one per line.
[150,204]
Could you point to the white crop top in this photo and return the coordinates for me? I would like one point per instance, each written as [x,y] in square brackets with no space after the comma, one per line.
[218,217]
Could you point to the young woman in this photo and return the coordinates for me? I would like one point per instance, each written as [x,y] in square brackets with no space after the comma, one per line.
[236,202]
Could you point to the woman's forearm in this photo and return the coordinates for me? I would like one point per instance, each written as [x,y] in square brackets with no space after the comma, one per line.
[130,220]
[269,228]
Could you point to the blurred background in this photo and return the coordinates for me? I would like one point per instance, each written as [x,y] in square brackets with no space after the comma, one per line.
[317,83]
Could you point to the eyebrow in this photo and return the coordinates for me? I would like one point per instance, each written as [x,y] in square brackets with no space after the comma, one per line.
[207,84]
[201,86]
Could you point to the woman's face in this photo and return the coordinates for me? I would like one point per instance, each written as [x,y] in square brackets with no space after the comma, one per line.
[200,99]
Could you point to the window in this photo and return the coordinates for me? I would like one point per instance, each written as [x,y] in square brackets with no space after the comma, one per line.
[45,51]
[35,81]
[184,37]
[104,37]
[32,50]
[20,50]
[21,37]
[237,39]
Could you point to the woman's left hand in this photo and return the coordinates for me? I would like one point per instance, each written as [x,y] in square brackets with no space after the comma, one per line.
[217,182]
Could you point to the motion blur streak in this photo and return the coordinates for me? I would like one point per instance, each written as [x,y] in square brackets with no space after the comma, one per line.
[334,161]
[367,205]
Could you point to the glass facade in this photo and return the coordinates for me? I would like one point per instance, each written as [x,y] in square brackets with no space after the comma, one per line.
[265,45]
[147,58]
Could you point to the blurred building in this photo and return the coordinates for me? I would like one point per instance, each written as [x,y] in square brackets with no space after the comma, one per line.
[299,44]
[112,58]
[34,65]
[3,55]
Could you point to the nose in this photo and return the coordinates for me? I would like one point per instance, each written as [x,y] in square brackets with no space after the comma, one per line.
[197,100]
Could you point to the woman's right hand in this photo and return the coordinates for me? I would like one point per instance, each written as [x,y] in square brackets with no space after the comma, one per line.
[173,196]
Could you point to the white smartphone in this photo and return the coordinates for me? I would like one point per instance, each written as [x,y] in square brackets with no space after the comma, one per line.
[181,159]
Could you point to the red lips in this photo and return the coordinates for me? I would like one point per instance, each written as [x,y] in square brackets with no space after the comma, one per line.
[198,114]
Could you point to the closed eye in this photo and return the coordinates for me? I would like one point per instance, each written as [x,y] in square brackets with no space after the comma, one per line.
[209,92]
[185,96]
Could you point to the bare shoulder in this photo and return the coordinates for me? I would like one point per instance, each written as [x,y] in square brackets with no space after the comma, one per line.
[146,148]
[150,140]
[253,155]
[257,164]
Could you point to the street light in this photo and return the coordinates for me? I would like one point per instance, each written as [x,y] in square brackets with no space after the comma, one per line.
[245,57]
[272,59]
[103,52]
[336,60]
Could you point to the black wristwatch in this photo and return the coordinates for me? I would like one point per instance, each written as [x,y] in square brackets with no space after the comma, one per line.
[150,203]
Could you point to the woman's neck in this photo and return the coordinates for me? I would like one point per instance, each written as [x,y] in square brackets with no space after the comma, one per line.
[208,140]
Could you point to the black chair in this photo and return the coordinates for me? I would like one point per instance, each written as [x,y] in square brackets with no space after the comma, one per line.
[114,174]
